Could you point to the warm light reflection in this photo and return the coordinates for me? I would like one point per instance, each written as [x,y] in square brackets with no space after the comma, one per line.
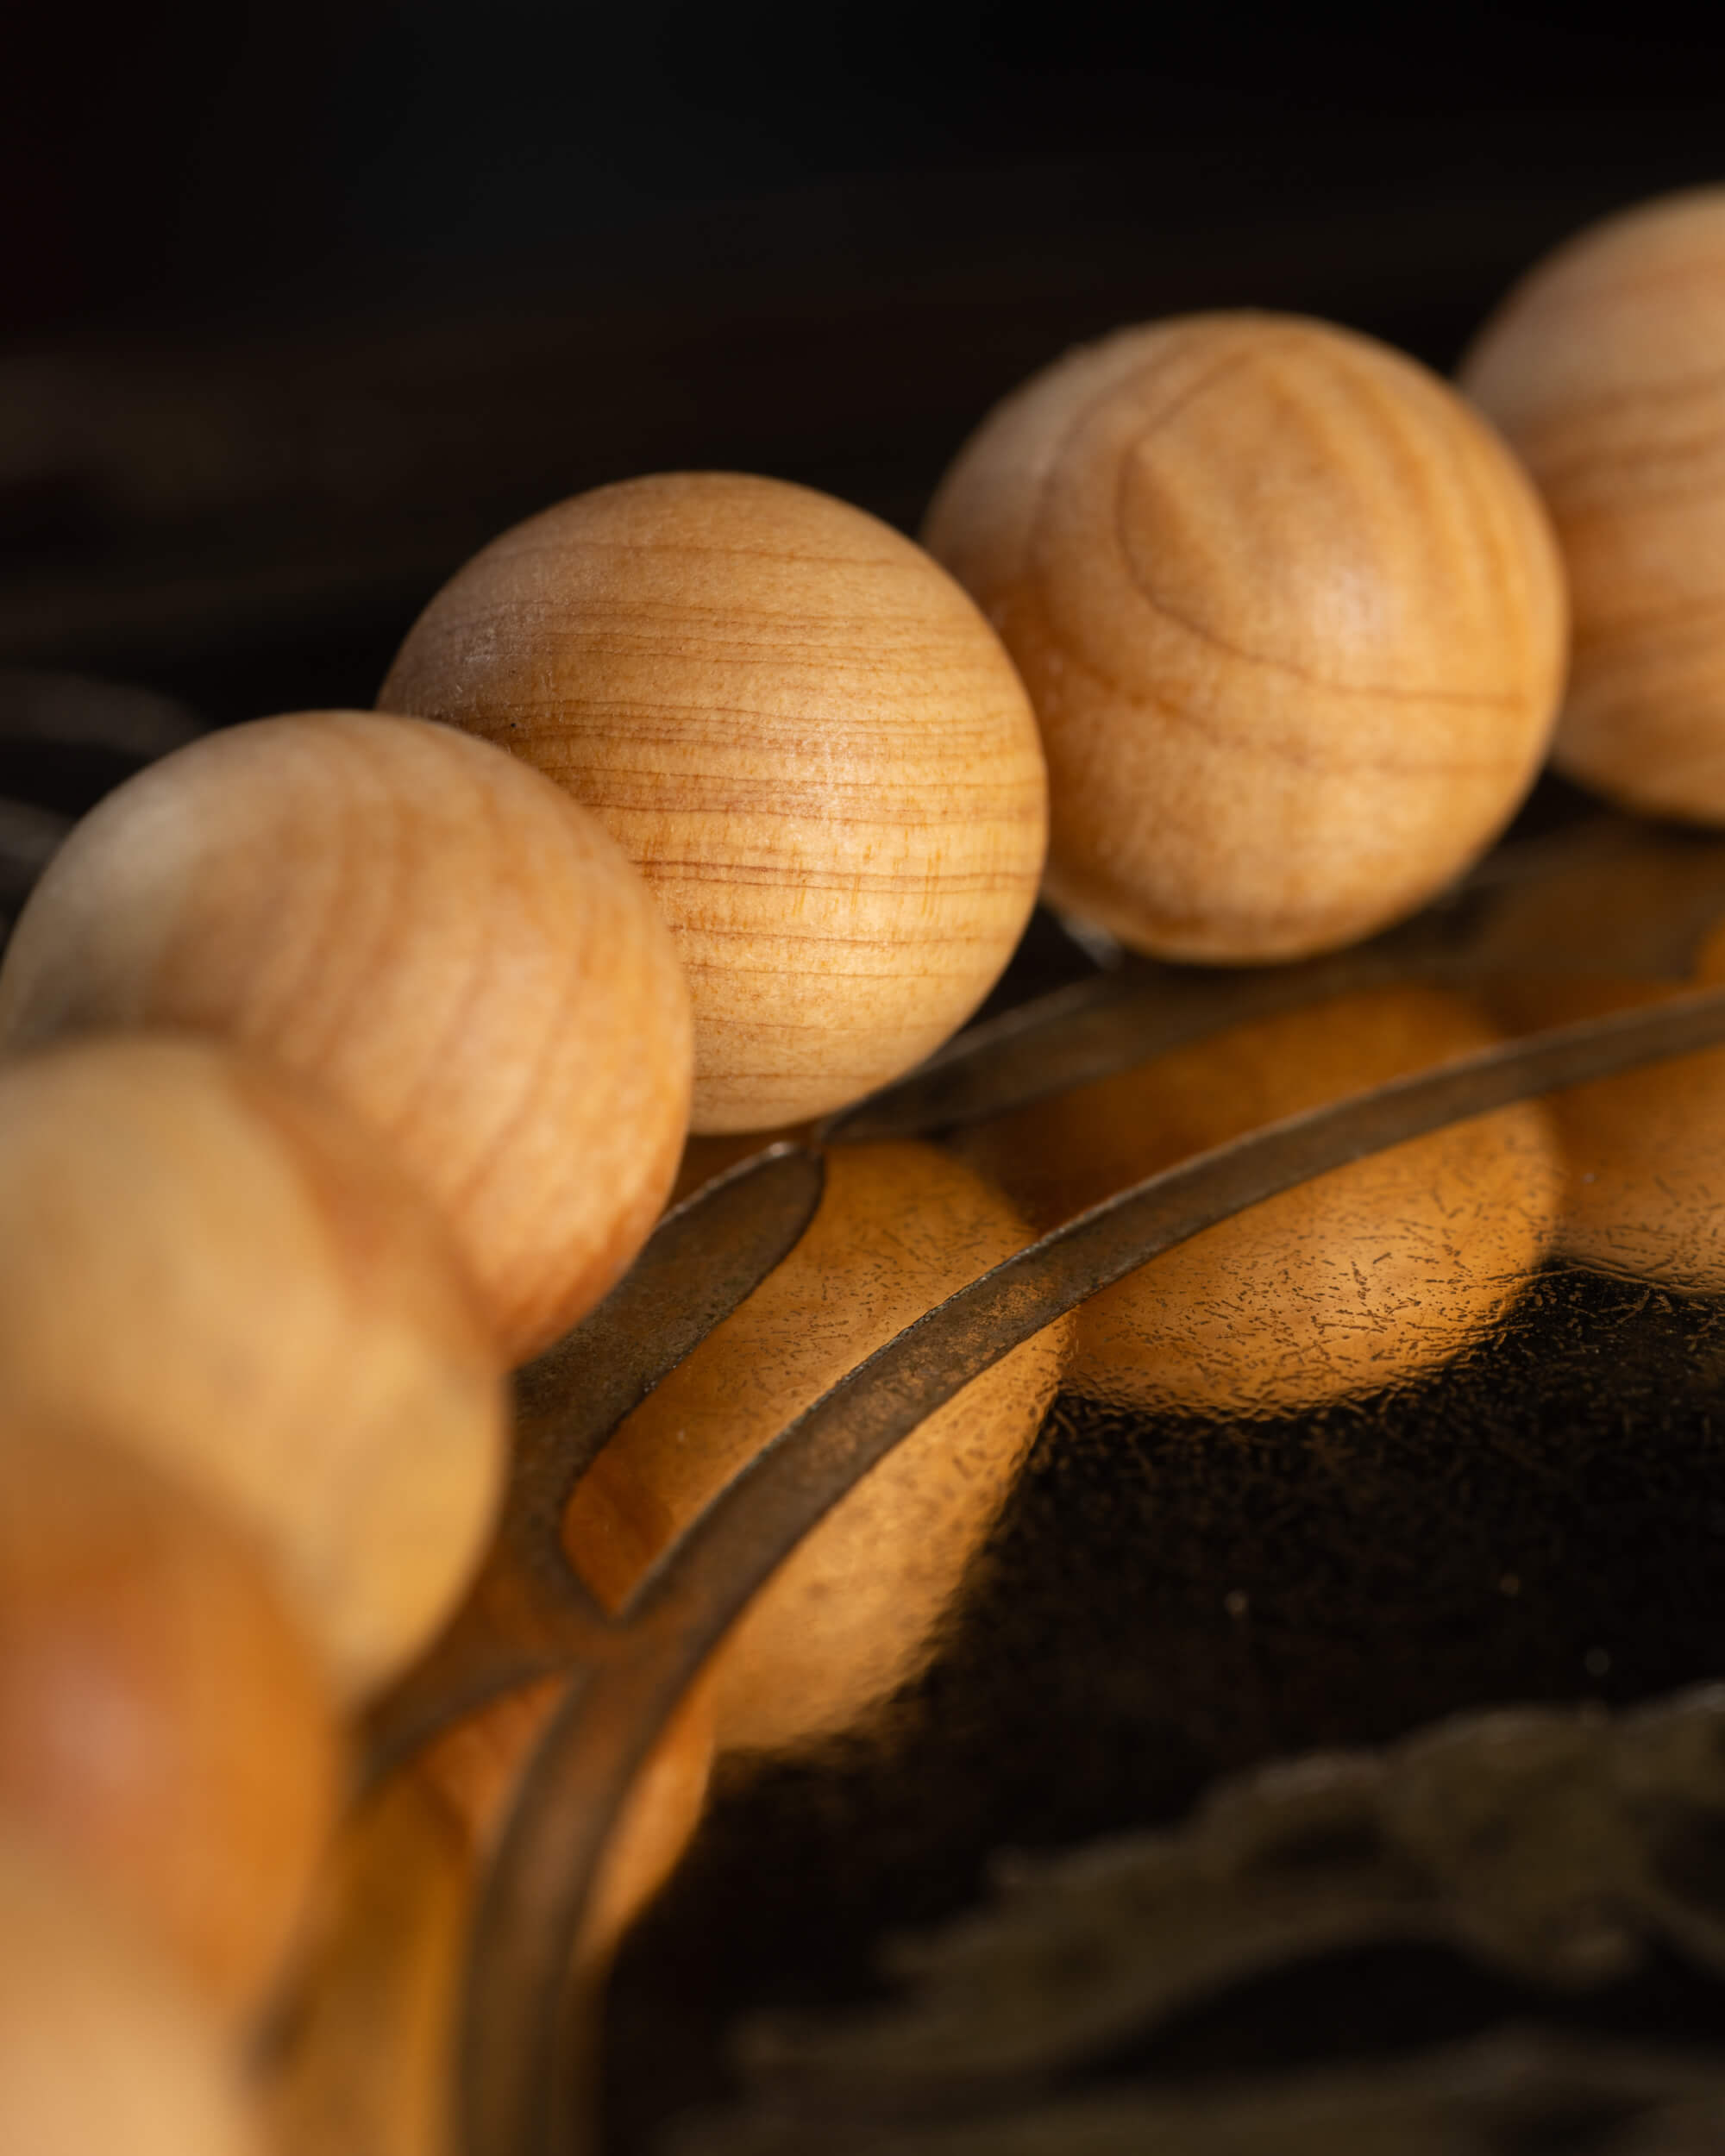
[853,1611]
[1352,1281]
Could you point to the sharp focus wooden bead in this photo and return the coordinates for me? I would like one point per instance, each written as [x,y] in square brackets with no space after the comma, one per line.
[208,1264]
[1290,615]
[801,732]
[429,930]
[100,2051]
[1606,368]
[854,1611]
[162,1720]
[1357,1279]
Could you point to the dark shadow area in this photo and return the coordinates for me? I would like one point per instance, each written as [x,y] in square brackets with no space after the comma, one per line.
[1165,1601]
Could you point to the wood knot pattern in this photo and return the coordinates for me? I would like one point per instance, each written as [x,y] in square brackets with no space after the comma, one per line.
[1606,369]
[1292,620]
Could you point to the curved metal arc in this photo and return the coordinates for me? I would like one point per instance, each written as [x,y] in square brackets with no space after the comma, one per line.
[531,1906]
[1093,1029]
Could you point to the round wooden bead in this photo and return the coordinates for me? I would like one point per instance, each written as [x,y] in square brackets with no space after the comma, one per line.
[162,1720]
[100,2049]
[1357,1279]
[1606,369]
[1291,618]
[802,733]
[206,1264]
[854,1610]
[440,939]
[1644,1151]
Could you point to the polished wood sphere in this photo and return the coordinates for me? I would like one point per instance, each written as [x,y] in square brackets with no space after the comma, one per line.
[1605,367]
[798,728]
[1359,1278]
[427,930]
[163,1723]
[855,1610]
[1291,617]
[101,2048]
[207,1263]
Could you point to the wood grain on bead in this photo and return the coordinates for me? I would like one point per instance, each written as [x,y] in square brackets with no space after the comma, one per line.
[425,927]
[1606,369]
[798,728]
[101,2049]
[855,1609]
[1355,1280]
[163,1721]
[1291,617]
[207,1263]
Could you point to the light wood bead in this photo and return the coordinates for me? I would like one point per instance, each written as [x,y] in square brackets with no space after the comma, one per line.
[214,1268]
[100,2048]
[423,926]
[1605,367]
[368,2063]
[1643,1152]
[800,731]
[855,1610]
[163,1723]
[1291,617]
[1359,1278]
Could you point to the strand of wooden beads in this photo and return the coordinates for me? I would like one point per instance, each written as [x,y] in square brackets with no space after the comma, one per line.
[349,1060]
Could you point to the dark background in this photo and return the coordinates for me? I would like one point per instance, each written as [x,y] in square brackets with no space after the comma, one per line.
[302,305]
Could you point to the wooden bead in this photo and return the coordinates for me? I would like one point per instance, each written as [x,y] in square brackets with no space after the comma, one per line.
[1606,369]
[425,927]
[1644,1152]
[1360,1278]
[800,731]
[208,1264]
[366,2063]
[855,1610]
[162,1720]
[1291,618]
[100,2051]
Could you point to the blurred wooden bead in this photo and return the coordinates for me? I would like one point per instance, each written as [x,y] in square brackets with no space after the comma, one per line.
[802,733]
[100,2051]
[365,2064]
[163,1723]
[1291,617]
[855,1610]
[208,1264]
[1605,367]
[1359,1278]
[423,926]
